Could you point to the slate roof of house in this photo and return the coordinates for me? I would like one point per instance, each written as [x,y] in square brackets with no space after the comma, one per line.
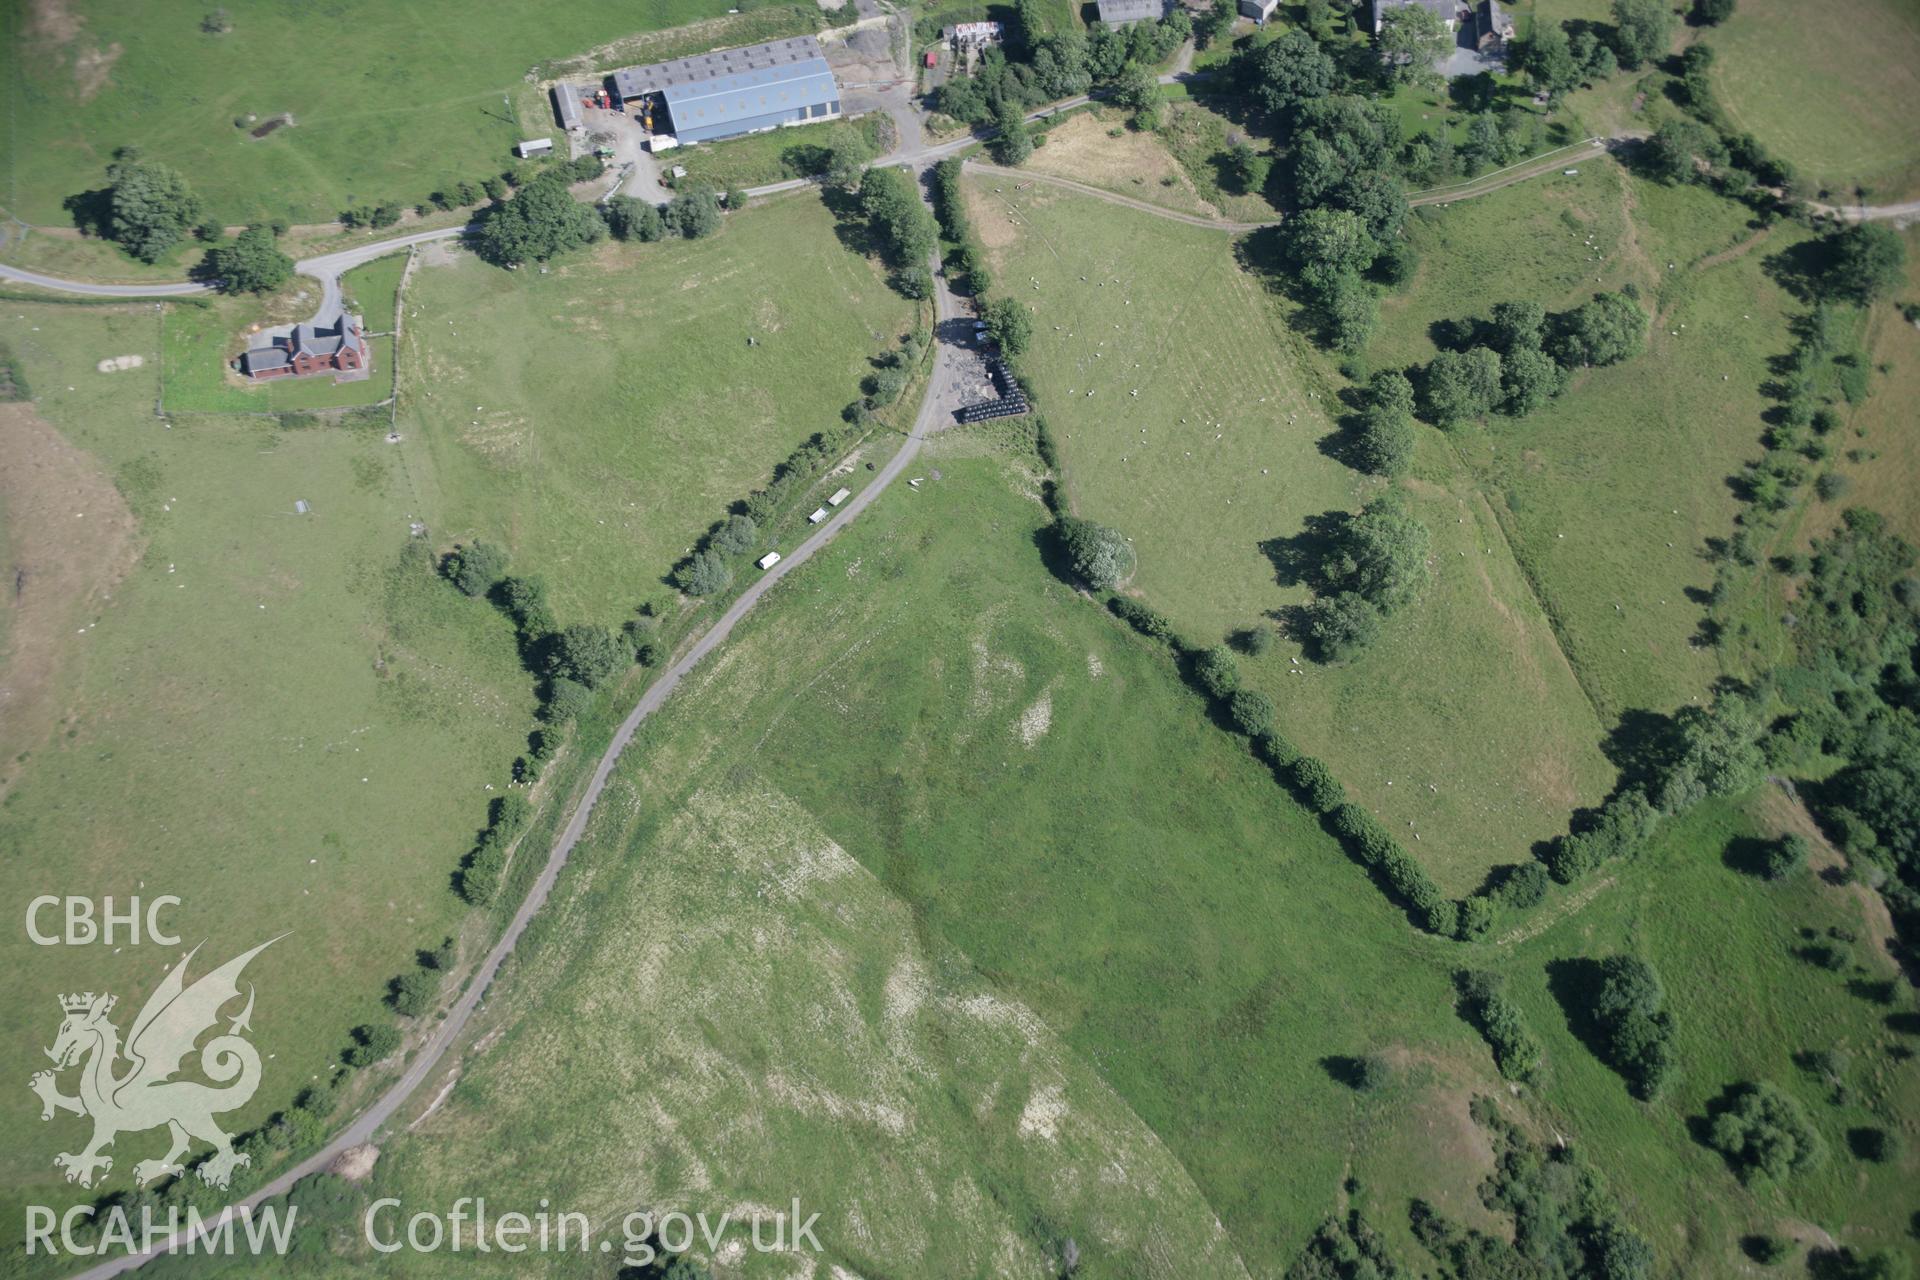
[306,339]
[315,340]
[1131,10]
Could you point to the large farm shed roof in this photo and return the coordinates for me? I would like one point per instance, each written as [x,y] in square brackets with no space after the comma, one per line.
[790,59]
[1119,11]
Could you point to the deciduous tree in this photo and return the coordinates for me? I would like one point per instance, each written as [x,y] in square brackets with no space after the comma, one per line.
[253,263]
[152,207]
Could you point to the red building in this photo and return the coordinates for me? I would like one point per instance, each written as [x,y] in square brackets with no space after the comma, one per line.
[309,349]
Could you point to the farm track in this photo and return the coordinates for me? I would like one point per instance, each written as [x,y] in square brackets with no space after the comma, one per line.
[936,409]
[327,268]
[1527,170]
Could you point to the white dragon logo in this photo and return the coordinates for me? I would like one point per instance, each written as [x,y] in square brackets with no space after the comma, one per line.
[146,1096]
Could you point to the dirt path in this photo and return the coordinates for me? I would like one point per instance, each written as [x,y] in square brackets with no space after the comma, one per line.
[1568,906]
[1114,197]
[1537,167]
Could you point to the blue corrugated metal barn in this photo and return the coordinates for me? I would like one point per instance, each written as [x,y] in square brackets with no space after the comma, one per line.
[736,91]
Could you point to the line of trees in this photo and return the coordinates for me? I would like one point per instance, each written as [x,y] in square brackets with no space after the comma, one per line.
[480,873]
[902,227]
[539,221]
[1345,238]
[966,262]
[251,263]
[1039,65]
[1522,357]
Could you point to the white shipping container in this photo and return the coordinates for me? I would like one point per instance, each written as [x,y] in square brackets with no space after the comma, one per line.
[769,560]
[817,516]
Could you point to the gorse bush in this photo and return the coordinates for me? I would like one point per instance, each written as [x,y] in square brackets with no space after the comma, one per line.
[1761,1130]
[476,567]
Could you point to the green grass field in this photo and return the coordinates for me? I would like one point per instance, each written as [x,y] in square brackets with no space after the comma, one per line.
[599,418]
[773,156]
[1743,1006]
[1610,493]
[891,823]
[257,666]
[1828,95]
[252,718]
[374,290]
[902,778]
[393,101]
[1164,309]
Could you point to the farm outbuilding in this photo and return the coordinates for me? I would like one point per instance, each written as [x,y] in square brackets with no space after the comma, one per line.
[736,91]
[1258,10]
[566,107]
[1120,13]
[533,147]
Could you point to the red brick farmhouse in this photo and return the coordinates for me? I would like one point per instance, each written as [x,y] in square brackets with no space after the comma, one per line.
[309,349]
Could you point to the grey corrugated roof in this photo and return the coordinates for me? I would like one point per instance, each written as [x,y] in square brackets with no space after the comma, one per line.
[719,101]
[567,98]
[264,358]
[656,77]
[1131,10]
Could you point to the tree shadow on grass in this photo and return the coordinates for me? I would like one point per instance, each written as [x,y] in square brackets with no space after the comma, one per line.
[1573,983]
[1297,560]
[1342,444]
[91,211]
[850,225]
[1343,1070]
[1747,855]
[1800,269]
[1053,554]
[1643,745]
